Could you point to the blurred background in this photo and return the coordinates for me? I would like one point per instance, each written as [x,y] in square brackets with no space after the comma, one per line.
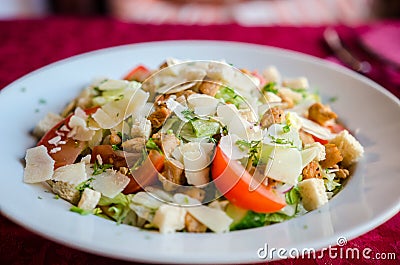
[203,12]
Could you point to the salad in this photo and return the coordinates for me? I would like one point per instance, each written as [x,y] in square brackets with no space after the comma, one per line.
[194,146]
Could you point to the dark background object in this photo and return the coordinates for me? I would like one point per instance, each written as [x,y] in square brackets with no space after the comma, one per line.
[78,7]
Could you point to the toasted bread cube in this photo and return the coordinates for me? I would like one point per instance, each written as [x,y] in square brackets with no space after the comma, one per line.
[89,199]
[169,218]
[313,193]
[349,147]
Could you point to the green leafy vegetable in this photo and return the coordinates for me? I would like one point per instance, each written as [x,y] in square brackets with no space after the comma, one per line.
[116,208]
[188,114]
[270,87]
[293,196]
[204,128]
[254,149]
[276,218]
[98,169]
[278,140]
[230,96]
[244,219]
[86,184]
[286,128]
[151,145]
[81,211]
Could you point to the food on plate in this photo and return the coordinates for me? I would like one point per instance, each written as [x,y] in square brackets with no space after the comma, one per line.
[194,146]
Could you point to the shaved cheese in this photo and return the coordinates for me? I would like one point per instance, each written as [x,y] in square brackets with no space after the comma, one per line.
[96,139]
[147,200]
[177,108]
[196,159]
[55,140]
[141,127]
[226,112]
[114,112]
[112,84]
[110,183]
[39,165]
[314,151]
[289,93]
[283,163]
[79,131]
[215,219]
[203,104]
[316,129]
[276,132]
[48,122]
[231,149]
[244,129]
[73,174]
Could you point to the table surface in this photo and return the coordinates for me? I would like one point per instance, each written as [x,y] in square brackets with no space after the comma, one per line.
[29,44]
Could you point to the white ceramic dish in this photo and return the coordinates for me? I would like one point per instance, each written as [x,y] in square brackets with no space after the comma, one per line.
[370,197]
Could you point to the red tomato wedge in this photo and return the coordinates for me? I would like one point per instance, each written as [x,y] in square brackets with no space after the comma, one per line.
[319,140]
[143,176]
[67,152]
[233,181]
[336,128]
[147,173]
[139,73]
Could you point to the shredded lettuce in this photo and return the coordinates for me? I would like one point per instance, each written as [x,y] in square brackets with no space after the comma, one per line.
[230,96]
[250,220]
[116,208]
[205,128]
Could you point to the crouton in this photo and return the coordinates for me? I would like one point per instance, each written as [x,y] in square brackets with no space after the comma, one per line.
[332,157]
[305,137]
[65,190]
[195,193]
[89,199]
[312,170]
[349,147]
[173,172]
[168,143]
[209,88]
[271,116]
[320,113]
[169,218]
[313,193]
[342,173]
[296,83]
[193,225]
[135,145]
[158,117]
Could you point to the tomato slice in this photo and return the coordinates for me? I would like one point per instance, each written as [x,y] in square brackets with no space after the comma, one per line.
[233,181]
[336,128]
[147,173]
[143,176]
[319,140]
[63,154]
[139,73]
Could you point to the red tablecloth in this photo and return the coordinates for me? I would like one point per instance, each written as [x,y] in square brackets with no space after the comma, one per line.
[29,44]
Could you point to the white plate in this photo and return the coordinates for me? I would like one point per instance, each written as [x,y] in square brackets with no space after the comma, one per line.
[370,197]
